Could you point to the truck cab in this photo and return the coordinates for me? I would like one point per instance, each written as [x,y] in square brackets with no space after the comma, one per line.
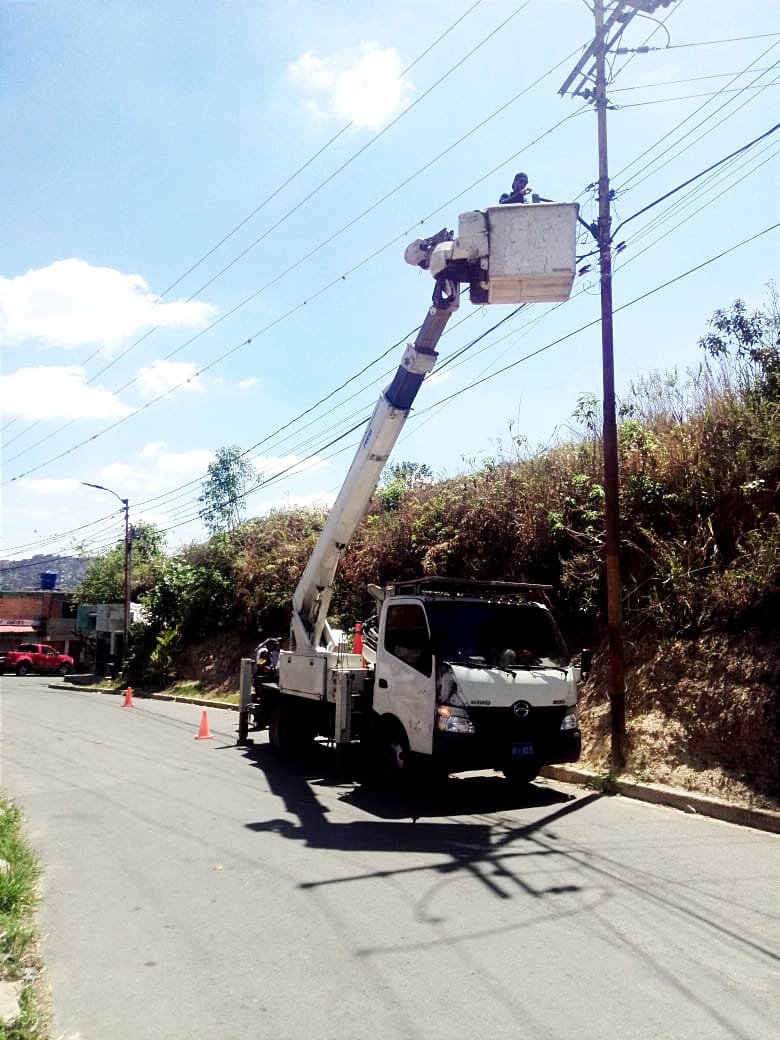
[474,675]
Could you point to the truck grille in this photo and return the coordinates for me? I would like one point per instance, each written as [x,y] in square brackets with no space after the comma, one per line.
[500,726]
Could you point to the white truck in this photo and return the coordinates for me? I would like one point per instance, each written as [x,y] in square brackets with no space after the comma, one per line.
[460,674]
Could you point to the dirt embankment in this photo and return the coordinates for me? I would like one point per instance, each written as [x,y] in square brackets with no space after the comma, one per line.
[703,715]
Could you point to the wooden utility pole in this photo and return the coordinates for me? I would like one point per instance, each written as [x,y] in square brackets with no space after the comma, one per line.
[591,69]
[610,20]
[616,666]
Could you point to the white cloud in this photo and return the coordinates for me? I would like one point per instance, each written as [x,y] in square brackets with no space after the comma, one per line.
[56,392]
[437,377]
[246,384]
[71,304]
[366,88]
[160,376]
[194,461]
[151,448]
[49,487]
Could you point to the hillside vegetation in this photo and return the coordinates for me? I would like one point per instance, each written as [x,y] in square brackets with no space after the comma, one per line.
[700,505]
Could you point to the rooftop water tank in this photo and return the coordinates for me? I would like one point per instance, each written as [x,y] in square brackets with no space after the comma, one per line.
[48,580]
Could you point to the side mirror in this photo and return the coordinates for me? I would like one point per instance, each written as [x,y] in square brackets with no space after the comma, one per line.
[586,660]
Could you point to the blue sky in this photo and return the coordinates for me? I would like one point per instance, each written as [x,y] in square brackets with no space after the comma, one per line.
[206,209]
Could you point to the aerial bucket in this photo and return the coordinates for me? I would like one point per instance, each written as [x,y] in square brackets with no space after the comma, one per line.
[515,253]
[527,250]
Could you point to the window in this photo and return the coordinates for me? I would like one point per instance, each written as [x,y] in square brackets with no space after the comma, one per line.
[406,636]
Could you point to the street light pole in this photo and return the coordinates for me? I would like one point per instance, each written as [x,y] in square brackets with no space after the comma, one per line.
[126,504]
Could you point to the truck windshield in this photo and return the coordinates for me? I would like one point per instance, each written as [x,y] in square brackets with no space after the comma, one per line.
[496,635]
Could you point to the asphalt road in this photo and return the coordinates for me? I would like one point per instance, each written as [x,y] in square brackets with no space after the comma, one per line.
[196,890]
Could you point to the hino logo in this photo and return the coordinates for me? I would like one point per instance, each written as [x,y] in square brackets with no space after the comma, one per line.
[522,709]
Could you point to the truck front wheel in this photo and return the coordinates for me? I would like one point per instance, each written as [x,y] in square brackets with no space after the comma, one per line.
[521,776]
[391,758]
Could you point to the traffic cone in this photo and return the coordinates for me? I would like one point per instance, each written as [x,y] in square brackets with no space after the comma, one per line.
[204,733]
[128,698]
[357,639]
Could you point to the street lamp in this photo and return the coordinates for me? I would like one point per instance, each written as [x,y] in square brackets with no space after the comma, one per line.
[126,503]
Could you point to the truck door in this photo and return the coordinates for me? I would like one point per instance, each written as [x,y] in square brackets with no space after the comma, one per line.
[404,684]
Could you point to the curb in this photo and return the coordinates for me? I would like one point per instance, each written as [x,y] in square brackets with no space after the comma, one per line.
[191,700]
[656,794]
[671,797]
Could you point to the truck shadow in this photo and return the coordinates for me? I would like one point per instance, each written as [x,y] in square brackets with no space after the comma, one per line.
[417,821]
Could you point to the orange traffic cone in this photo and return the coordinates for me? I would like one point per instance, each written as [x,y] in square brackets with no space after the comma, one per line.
[204,733]
[357,639]
[128,698]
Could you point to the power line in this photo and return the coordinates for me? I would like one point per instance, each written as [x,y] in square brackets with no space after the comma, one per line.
[272,195]
[677,82]
[679,126]
[453,357]
[700,43]
[262,331]
[312,252]
[709,169]
[693,97]
[478,382]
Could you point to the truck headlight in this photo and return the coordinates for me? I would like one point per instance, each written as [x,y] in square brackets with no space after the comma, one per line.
[569,721]
[453,720]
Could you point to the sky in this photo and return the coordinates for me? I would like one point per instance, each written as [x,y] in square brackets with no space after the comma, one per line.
[206,208]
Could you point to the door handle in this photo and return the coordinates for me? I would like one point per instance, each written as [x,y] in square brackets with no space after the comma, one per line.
[382,683]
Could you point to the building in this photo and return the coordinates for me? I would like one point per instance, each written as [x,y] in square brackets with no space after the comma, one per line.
[43,616]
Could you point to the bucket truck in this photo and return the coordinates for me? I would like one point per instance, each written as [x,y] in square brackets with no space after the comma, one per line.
[460,674]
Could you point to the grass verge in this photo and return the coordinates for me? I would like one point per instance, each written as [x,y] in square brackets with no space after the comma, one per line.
[18,938]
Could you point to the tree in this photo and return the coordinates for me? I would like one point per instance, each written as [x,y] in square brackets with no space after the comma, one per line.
[104,580]
[224,490]
[400,478]
[753,339]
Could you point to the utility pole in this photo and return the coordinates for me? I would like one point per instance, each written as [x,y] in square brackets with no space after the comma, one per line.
[609,28]
[126,618]
[616,666]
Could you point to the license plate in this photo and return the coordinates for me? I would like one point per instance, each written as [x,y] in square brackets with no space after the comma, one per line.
[522,751]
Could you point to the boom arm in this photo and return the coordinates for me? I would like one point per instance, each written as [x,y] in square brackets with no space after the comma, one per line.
[311,599]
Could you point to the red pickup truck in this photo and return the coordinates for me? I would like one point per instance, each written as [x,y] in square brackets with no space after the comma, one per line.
[36,657]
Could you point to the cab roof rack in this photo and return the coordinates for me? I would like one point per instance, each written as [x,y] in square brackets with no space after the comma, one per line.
[467,588]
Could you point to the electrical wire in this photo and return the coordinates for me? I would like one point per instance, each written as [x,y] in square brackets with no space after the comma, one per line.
[702,173]
[630,217]
[478,382]
[447,362]
[637,177]
[700,43]
[269,198]
[270,325]
[269,284]
[693,97]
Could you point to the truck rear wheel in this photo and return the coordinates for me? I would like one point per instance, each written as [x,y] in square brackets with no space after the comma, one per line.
[289,732]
